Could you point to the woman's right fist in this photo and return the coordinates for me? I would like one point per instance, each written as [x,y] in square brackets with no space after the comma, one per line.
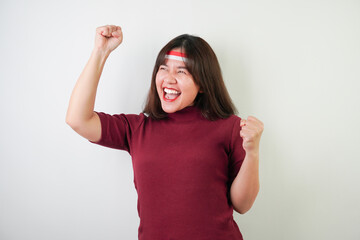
[108,38]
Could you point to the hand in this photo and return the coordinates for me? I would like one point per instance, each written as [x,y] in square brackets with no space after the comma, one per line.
[251,130]
[108,38]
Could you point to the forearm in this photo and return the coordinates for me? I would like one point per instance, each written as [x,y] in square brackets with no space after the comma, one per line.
[245,186]
[82,101]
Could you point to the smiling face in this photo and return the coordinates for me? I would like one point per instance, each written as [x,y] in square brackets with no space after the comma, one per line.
[175,85]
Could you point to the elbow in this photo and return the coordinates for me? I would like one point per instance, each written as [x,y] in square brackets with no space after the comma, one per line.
[243,211]
[77,120]
[243,204]
[68,118]
[72,122]
[69,121]
[242,208]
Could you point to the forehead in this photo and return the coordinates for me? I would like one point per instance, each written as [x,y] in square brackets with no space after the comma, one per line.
[175,57]
[174,63]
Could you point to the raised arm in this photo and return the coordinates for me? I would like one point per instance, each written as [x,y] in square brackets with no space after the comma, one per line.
[80,114]
[245,186]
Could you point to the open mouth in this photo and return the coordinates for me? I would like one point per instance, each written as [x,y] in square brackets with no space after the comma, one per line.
[170,95]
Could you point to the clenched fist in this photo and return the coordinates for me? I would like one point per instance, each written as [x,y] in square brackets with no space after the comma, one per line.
[108,38]
[251,130]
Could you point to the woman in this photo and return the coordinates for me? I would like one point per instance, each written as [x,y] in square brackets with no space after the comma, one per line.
[187,146]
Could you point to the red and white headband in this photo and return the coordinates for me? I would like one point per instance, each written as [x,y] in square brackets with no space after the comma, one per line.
[176,56]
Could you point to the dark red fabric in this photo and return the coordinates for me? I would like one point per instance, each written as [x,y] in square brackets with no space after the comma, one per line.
[183,169]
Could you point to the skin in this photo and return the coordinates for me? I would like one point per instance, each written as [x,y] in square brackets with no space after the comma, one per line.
[80,114]
[174,75]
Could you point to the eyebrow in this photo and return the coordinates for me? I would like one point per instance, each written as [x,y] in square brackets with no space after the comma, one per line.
[179,67]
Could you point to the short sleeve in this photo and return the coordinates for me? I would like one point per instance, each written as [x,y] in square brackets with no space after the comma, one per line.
[117,130]
[237,152]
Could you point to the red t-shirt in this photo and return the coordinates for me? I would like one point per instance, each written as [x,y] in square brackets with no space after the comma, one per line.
[183,169]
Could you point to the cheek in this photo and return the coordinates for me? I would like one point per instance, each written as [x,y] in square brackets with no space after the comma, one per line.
[158,81]
[192,88]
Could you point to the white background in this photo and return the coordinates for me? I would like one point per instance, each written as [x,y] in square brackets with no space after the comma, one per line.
[293,64]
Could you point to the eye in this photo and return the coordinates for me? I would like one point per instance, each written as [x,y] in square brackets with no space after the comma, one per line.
[182,72]
[162,68]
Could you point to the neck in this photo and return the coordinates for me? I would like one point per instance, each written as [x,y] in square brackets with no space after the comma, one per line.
[188,113]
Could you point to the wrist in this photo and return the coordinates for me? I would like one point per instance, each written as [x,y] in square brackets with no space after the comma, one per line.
[254,153]
[101,53]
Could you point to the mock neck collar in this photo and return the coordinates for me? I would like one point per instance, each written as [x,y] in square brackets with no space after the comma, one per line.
[188,113]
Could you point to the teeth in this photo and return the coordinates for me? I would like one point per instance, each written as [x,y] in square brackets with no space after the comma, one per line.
[171,91]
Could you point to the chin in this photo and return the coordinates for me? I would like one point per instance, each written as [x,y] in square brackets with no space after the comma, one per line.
[168,109]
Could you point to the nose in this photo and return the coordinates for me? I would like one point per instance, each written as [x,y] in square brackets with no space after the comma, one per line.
[170,79]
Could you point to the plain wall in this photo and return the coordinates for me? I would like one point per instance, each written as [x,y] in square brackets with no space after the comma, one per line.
[293,64]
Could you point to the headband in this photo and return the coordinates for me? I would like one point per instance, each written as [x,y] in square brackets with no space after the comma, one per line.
[176,56]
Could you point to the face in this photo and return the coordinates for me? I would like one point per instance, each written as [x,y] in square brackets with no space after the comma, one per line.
[175,85]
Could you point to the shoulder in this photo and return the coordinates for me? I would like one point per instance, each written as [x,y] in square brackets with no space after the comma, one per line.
[229,122]
[234,118]
[225,128]
[231,128]
[135,120]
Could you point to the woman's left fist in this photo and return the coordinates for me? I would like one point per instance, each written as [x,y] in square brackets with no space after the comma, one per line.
[251,130]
